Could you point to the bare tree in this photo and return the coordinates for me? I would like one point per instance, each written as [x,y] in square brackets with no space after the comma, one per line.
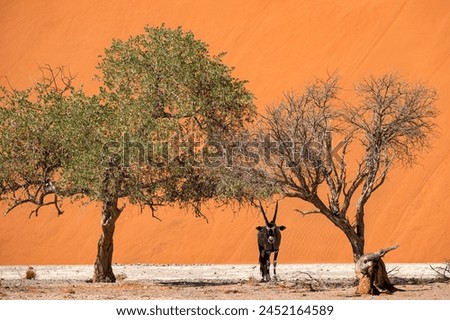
[307,139]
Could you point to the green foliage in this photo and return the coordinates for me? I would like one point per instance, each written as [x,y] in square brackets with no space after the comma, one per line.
[28,152]
[163,76]
[161,97]
[49,139]
[169,93]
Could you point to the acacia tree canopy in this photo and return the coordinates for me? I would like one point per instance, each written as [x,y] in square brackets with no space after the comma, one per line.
[162,95]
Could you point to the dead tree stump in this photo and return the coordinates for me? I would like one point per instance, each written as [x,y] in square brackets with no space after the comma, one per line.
[372,275]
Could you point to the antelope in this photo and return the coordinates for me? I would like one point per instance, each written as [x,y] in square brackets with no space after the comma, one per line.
[269,239]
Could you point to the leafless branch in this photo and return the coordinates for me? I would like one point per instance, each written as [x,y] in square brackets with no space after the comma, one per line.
[15,205]
[40,205]
[9,83]
[304,213]
[443,272]
[33,192]
[60,79]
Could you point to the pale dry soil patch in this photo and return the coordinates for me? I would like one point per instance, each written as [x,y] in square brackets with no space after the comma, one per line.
[222,282]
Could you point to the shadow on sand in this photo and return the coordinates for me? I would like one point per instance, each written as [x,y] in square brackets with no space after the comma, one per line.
[197,283]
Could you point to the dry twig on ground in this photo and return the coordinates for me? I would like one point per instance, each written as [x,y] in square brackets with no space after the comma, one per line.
[442,273]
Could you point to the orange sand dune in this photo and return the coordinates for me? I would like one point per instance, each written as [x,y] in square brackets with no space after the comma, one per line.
[277,46]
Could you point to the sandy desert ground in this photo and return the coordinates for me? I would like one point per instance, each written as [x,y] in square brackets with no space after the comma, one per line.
[223,282]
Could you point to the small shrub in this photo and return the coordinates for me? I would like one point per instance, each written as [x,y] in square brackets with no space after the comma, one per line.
[30,274]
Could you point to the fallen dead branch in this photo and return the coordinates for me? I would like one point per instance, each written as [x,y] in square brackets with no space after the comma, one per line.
[442,273]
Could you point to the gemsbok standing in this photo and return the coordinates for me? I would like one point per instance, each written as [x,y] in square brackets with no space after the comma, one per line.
[269,239]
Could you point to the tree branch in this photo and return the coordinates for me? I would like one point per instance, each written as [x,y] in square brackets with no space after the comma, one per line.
[307,212]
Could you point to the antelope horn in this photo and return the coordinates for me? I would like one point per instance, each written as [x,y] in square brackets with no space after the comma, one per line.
[275,214]
[264,213]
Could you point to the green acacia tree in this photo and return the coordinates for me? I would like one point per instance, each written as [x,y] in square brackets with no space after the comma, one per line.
[162,97]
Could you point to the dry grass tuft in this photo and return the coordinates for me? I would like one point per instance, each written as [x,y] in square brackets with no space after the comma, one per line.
[252,280]
[121,277]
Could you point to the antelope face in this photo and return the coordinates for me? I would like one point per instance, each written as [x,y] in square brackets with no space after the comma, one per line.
[270,230]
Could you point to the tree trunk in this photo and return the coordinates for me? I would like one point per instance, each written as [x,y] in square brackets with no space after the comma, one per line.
[356,241]
[372,275]
[103,265]
[357,244]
